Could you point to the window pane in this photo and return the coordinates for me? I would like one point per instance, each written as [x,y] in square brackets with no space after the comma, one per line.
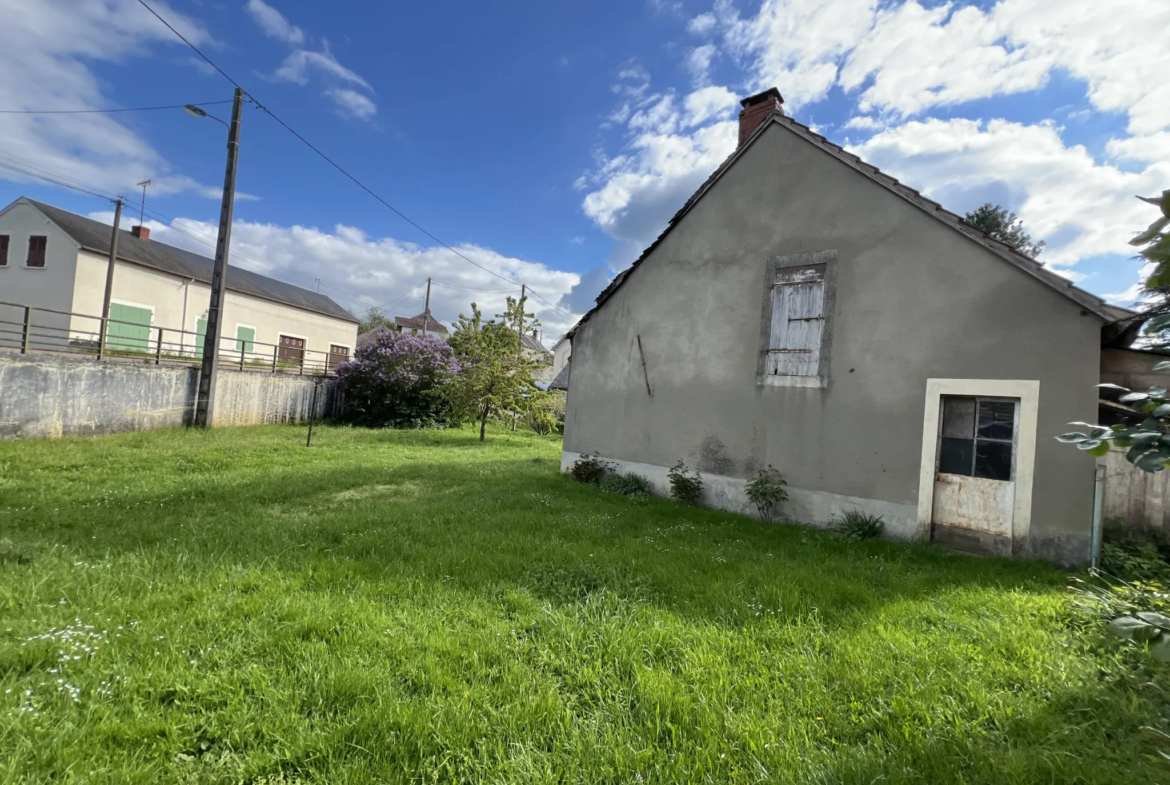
[955,456]
[993,460]
[996,419]
[958,421]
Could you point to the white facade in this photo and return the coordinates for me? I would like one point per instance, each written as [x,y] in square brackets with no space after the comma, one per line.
[561,353]
[73,280]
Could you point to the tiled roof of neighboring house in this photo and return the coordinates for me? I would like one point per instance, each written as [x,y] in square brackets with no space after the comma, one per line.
[370,335]
[561,382]
[532,344]
[416,323]
[95,236]
[1090,302]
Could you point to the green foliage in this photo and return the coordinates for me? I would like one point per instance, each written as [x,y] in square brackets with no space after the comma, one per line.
[590,468]
[766,490]
[857,525]
[685,487]
[1005,227]
[417,607]
[495,378]
[627,484]
[374,317]
[1133,560]
[546,412]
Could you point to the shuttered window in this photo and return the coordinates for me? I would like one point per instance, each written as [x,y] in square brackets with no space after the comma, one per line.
[798,321]
[36,251]
[337,355]
[129,328]
[244,338]
[3,250]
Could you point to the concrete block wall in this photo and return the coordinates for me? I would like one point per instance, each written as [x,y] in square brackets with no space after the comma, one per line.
[49,396]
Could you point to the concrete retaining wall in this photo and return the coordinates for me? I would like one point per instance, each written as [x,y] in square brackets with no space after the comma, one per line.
[47,396]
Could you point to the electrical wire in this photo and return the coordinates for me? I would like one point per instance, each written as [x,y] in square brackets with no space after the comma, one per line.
[325,157]
[470,289]
[108,111]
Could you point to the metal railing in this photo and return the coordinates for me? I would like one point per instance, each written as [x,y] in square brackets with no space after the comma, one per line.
[147,343]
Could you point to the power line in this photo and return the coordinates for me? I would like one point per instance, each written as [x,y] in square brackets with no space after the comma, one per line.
[107,111]
[312,147]
[471,289]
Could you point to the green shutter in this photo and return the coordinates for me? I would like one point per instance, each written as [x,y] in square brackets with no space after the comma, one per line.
[244,338]
[200,331]
[133,337]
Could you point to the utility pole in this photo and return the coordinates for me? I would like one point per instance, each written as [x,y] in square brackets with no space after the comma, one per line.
[427,308]
[205,396]
[105,325]
[519,340]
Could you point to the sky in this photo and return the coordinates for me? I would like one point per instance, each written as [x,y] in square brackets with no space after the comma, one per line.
[551,142]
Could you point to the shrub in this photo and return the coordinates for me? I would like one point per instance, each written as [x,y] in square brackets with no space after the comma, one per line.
[628,484]
[684,486]
[590,468]
[546,413]
[398,380]
[766,490]
[858,525]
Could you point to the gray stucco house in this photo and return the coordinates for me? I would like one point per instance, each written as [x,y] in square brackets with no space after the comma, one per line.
[807,311]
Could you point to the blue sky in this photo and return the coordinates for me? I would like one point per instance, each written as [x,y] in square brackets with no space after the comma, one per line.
[551,141]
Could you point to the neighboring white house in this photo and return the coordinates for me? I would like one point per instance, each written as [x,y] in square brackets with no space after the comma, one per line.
[51,258]
[561,351]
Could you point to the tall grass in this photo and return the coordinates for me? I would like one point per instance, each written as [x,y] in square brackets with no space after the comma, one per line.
[417,607]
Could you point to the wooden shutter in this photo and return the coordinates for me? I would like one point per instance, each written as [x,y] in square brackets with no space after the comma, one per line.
[244,338]
[36,251]
[131,330]
[337,355]
[200,331]
[798,321]
[292,350]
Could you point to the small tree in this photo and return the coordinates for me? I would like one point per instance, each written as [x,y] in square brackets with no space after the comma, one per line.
[766,490]
[1149,440]
[374,317]
[1005,227]
[398,380]
[515,318]
[495,378]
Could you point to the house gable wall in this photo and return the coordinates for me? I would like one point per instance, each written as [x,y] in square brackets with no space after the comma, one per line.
[47,287]
[914,300]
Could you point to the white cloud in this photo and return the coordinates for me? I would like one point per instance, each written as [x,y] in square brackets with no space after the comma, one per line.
[702,24]
[699,62]
[1152,147]
[864,123]
[47,49]
[707,103]
[273,23]
[358,270]
[298,65]
[1063,195]
[352,103]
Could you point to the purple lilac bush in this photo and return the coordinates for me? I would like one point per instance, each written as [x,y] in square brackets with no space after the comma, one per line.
[400,381]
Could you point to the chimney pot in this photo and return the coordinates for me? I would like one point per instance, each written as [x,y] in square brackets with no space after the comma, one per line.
[141,232]
[756,109]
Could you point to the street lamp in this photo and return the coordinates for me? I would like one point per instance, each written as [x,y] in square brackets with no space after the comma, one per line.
[195,111]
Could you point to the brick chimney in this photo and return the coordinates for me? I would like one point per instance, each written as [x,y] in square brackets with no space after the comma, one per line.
[755,109]
[141,232]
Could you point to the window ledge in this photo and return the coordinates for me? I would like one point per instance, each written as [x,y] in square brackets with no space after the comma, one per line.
[27,267]
[772,380]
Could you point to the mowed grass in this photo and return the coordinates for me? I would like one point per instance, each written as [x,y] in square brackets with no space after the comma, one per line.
[418,607]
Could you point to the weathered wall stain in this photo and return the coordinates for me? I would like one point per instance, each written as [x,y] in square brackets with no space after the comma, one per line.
[49,396]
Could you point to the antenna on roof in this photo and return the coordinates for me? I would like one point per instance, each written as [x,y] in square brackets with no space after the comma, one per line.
[142,210]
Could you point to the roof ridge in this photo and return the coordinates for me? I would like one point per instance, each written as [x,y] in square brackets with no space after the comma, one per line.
[1036,269]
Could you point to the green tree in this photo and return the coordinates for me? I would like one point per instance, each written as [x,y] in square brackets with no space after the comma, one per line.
[1005,227]
[1149,440]
[495,378]
[515,318]
[374,317]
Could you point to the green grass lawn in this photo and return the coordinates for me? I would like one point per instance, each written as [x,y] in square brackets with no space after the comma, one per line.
[418,607]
